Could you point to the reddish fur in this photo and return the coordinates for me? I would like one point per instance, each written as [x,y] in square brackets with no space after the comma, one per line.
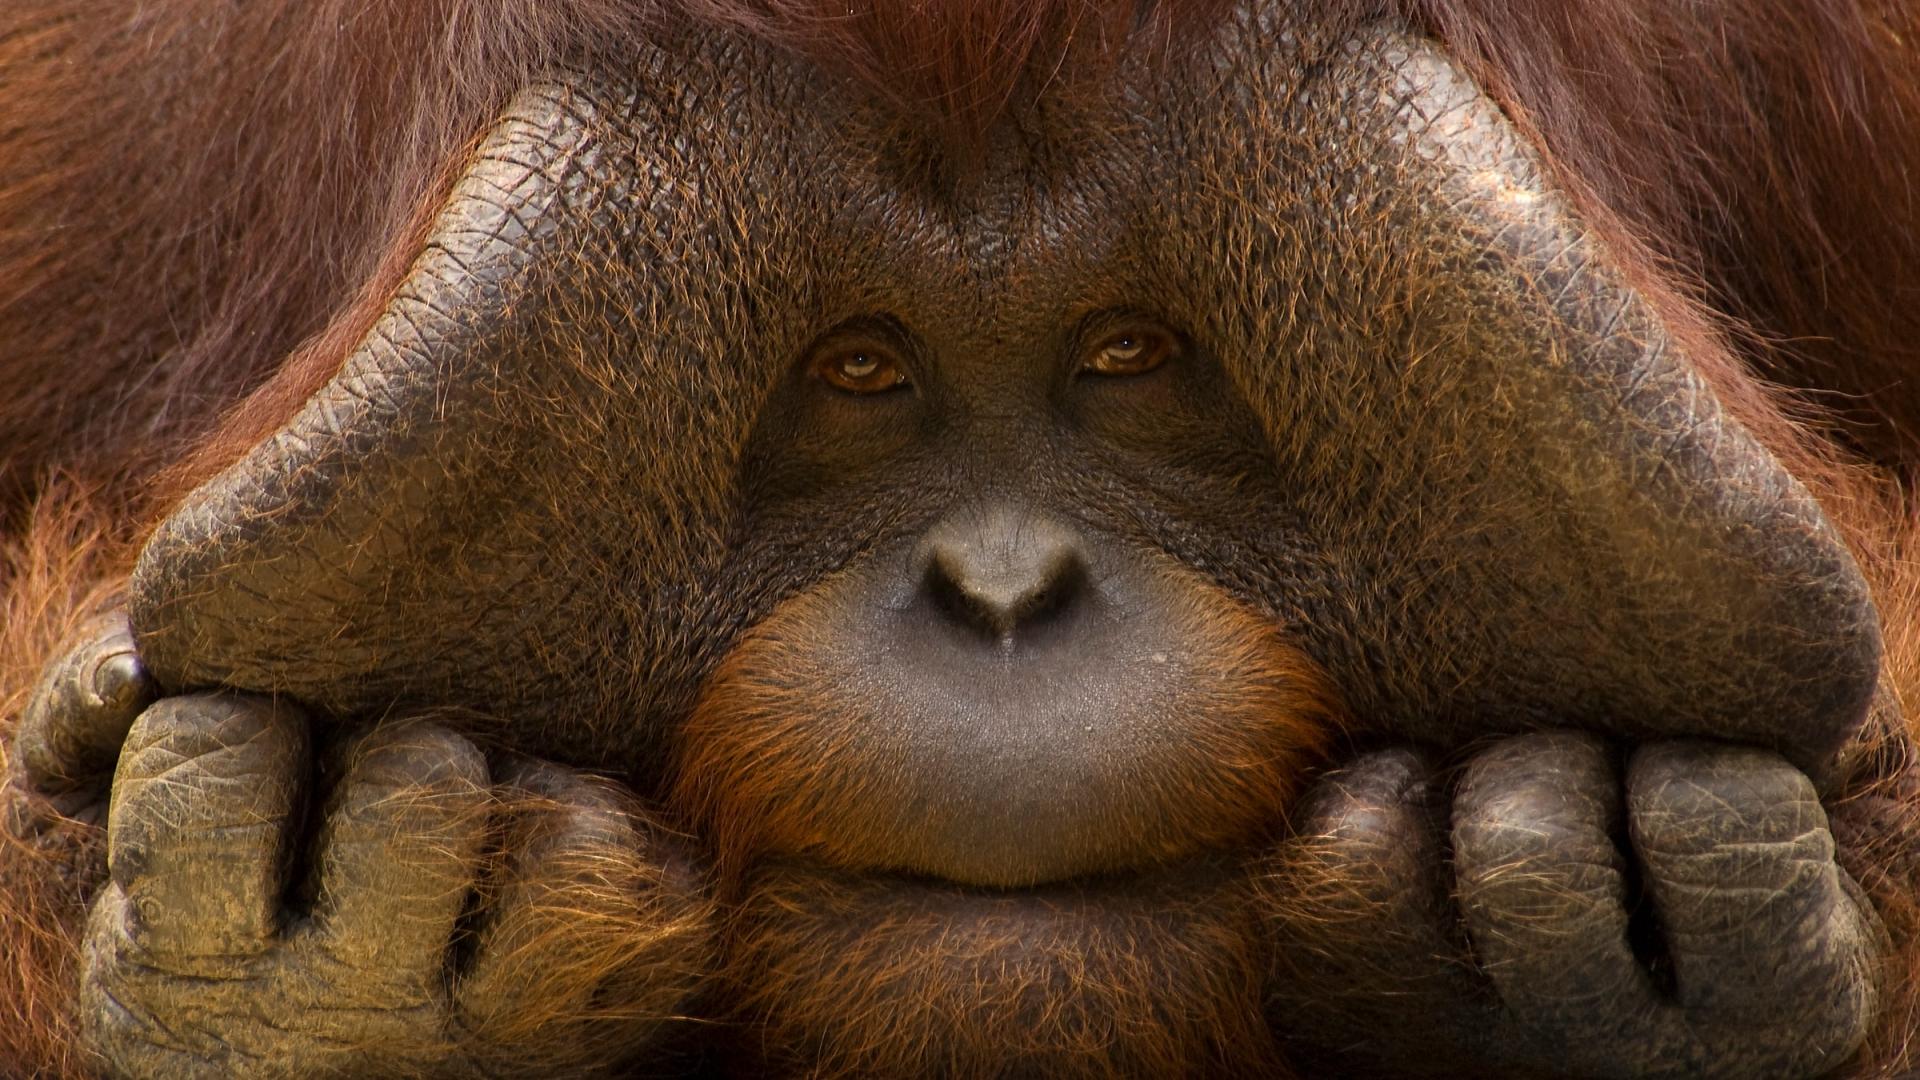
[861,978]
[55,573]
[1768,150]
[192,192]
[599,963]
[771,760]
[854,977]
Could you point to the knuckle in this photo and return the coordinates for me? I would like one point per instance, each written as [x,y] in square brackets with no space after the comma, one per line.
[557,801]
[1556,774]
[1533,803]
[1531,829]
[118,954]
[1732,840]
[213,736]
[179,783]
[593,814]
[1371,811]
[1695,798]
[423,759]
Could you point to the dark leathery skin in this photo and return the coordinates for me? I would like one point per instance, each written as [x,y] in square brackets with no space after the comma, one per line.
[1525,963]
[1547,519]
[220,947]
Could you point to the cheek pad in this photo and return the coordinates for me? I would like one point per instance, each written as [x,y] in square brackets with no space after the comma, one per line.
[1534,509]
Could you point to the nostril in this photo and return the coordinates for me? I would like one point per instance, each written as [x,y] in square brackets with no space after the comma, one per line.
[999,604]
[1061,585]
[1002,582]
[954,600]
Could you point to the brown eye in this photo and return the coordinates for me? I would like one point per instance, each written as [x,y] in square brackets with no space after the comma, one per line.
[1129,352]
[860,370]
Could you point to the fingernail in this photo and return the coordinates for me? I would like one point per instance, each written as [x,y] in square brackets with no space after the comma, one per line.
[121,681]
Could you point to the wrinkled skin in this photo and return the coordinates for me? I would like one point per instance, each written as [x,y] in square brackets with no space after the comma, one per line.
[1418,427]
[1729,843]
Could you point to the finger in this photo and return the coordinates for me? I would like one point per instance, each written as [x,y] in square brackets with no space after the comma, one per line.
[1738,837]
[1760,923]
[83,706]
[1361,887]
[1545,900]
[1358,906]
[399,849]
[595,920]
[1542,885]
[203,803]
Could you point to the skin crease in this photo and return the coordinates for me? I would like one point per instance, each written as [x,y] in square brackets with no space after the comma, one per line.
[960,724]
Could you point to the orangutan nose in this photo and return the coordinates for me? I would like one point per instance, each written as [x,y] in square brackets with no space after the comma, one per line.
[1002,573]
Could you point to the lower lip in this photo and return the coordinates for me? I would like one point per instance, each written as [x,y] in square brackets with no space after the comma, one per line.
[933,917]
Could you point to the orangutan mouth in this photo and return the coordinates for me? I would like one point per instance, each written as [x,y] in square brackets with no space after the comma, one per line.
[1048,974]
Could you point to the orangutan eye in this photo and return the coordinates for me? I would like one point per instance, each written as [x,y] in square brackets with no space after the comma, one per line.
[1134,351]
[860,370]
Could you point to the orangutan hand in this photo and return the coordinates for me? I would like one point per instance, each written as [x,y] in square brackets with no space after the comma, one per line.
[1680,914]
[443,917]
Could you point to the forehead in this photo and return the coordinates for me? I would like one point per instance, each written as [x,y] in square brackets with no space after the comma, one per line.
[1091,194]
